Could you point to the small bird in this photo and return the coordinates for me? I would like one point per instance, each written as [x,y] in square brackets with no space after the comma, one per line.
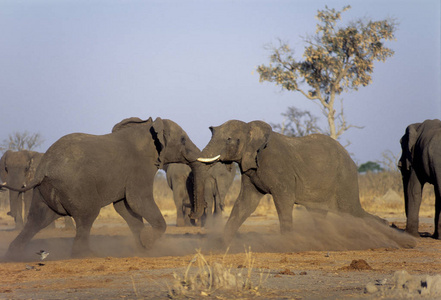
[43,254]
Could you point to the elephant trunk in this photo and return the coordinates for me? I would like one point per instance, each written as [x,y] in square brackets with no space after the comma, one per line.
[14,204]
[200,173]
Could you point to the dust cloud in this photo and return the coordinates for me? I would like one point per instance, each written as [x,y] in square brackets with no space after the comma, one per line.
[312,232]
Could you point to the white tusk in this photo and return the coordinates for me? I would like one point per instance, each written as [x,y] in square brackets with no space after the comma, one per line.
[208,160]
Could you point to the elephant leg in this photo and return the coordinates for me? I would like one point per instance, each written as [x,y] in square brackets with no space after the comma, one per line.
[284,208]
[207,217]
[134,221]
[245,204]
[140,199]
[39,217]
[437,208]
[84,222]
[16,208]
[178,198]
[413,202]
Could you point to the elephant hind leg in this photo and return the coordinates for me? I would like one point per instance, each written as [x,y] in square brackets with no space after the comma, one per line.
[84,222]
[39,217]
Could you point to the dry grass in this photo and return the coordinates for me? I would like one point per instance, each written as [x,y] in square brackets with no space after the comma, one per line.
[382,194]
[204,277]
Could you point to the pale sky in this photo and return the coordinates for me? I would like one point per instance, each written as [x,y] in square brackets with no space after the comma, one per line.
[83,66]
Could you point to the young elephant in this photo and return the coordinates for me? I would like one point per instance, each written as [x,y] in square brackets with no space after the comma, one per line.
[217,183]
[17,169]
[80,173]
[420,163]
[314,171]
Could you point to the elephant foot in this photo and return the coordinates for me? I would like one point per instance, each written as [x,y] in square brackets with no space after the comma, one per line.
[148,236]
[413,232]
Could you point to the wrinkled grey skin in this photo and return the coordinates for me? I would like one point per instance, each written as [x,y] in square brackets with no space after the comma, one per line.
[17,169]
[80,173]
[216,186]
[420,163]
[314,171]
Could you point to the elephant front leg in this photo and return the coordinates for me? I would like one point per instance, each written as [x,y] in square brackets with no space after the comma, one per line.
[246,203]
[284,206]
[134,221]
[413,195]
[142,203]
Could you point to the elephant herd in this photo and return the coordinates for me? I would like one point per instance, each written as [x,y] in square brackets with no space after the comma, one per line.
[81,173]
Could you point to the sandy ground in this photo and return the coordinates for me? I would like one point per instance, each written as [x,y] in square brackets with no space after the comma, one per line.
[339,258]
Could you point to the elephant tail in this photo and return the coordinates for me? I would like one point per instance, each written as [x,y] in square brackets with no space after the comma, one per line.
[23,189]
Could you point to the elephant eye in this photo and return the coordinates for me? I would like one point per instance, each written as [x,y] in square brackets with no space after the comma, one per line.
[183,140]
[6,169]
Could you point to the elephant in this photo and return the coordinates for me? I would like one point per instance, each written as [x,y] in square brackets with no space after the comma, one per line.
[17,169]
[180,180]
[420,163]
[217,183]
[314,171]
[80,173]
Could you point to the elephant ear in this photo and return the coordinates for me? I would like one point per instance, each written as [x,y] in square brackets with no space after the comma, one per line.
[258,135]
[3,173]
[158,135]
[407,143]
[129,122]
[34,161]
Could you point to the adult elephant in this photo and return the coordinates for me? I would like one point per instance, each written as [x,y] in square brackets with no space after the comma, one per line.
[420,163]
[80,173]
[216,185]
[314,171]
[17,169]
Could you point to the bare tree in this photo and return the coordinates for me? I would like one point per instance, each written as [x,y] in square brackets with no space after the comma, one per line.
[22,141]
[297,123]
[337,59]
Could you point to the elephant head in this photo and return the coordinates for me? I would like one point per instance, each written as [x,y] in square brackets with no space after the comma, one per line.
[17,169]
[407,142]
[234,141]
[173,144]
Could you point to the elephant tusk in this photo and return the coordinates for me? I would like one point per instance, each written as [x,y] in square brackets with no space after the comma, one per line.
[208,160]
